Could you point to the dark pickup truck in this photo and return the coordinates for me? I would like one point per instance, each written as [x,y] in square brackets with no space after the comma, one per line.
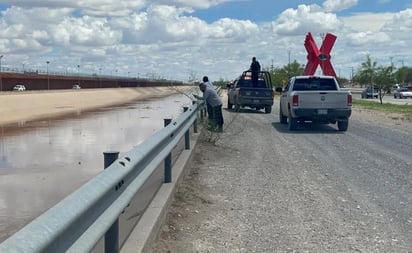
[243,93]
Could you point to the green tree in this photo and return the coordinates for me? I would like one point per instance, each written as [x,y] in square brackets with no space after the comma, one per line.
[280,76]
[404,76]
[192,77]
[294,69]
[221,83]
[384,79]
[367,72]
[342,80]
[408,79]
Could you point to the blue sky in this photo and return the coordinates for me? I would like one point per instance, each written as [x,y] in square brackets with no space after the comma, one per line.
[186,39]
[267,10]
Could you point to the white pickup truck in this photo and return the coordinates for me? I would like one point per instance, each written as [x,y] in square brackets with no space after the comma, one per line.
[318,99]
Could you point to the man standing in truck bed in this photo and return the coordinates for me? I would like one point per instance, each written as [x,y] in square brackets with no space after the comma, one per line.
[255,68]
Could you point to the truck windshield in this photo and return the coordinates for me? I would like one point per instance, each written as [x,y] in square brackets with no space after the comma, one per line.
[314,84]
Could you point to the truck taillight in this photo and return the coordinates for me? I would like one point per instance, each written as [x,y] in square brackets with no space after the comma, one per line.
[349,100]
[295,100]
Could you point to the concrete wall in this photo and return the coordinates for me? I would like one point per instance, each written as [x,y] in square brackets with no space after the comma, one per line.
[33,81]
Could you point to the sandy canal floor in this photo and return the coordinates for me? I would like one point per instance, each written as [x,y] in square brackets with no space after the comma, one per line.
[18,107]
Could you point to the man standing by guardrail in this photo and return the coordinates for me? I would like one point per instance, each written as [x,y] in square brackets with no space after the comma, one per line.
[214,104]
[208,107]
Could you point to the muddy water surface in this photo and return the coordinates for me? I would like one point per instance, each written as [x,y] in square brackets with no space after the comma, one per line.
[42,162]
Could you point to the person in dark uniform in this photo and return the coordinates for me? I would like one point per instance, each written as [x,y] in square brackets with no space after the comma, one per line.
[255,68]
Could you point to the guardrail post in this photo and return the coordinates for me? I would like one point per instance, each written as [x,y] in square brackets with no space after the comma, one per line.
[168,159]
[111,238]
[195,122]
[187,134]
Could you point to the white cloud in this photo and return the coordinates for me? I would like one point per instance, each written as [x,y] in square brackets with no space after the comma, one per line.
[85,31]
[367,21]
[167,24]
[368,38]
[232,30]
[401,22]
[84,7]
[338,5]
[304,19]
[384,36]
[198,4]
[163,37]
[159,24]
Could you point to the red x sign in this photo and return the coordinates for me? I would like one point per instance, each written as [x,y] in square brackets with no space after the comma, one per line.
[319,56]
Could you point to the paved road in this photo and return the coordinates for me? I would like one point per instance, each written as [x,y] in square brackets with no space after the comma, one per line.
[262,188]
[388,98]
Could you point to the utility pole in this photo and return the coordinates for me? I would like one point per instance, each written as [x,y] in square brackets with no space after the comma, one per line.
[351,75]
[78,74]
[48,78]
[289,64]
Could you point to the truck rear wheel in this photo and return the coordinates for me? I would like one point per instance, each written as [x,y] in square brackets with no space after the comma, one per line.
[343,125]
[268,109]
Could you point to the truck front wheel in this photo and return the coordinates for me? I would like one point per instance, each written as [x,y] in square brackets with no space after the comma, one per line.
[292,123]
[268,109]
[343,125]
[282,119]
[229,105]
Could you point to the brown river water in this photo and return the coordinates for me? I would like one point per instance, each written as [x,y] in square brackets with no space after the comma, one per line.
[42,162]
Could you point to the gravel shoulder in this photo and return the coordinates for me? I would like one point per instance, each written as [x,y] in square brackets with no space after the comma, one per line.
[259,188]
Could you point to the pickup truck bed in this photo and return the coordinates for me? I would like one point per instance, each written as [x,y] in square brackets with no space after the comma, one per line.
[243,93]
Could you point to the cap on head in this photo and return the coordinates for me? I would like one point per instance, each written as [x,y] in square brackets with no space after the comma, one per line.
[205,79]
[253,58]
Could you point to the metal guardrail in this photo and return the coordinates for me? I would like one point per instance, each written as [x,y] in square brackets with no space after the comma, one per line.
[80,220]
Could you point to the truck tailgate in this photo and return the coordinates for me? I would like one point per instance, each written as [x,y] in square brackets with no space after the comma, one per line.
[323,99]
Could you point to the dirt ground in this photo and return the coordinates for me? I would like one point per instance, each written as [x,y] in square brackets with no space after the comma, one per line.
[190,227]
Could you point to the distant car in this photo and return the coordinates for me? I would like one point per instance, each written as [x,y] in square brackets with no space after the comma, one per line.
[76,87]
[19,87]
[367,93]
[402,93]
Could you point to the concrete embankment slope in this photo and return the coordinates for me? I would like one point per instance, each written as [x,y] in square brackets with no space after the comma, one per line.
[33,105]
